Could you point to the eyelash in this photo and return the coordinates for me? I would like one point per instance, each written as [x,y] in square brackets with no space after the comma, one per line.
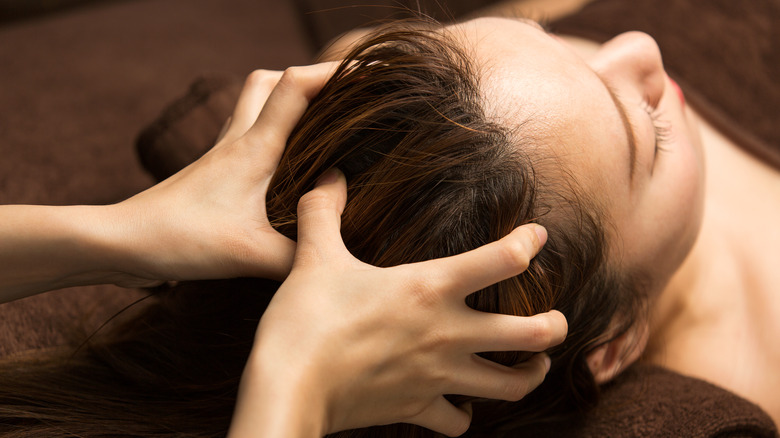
[660,127]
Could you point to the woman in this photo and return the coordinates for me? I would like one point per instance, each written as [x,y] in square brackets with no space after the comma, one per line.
[570,138]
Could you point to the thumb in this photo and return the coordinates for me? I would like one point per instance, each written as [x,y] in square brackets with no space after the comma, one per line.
[319,217]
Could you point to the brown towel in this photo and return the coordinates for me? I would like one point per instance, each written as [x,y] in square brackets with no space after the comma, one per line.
[650,401]
[189,126]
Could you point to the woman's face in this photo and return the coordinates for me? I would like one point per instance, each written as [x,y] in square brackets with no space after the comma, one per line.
[614,121]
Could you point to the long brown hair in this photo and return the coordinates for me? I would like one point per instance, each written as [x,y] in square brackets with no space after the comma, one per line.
[429,176]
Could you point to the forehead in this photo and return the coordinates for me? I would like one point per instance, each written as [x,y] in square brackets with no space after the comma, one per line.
[534,84]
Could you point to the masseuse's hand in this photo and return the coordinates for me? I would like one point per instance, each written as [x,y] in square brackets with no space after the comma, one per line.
[209,220]
[344,344]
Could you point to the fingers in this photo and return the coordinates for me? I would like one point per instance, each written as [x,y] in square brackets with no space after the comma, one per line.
[495,332]
[319,217]
[285,106]
[224,130]
[443,417]
[466,273]
[486,379]
[257,88]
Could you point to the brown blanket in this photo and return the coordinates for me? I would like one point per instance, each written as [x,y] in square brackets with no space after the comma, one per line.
[650,401]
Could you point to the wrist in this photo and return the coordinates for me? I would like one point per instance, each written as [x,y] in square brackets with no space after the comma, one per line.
[92,240]
[277,398]
[121,246]
[50,247]
[90,244]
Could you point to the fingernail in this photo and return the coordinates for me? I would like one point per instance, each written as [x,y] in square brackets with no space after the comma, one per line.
[541,232]
[330,176]
[547,363]
[467,408]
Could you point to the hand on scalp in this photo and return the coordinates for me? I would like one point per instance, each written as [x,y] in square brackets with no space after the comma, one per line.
[209,219]
[384,345]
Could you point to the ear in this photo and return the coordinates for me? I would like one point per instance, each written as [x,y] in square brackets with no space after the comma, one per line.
[610,359]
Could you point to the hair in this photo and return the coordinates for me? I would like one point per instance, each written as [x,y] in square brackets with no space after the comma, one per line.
[429,175]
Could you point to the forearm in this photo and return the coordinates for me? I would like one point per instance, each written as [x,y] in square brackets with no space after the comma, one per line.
[51,247]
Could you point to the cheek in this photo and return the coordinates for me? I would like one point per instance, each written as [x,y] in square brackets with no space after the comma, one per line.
[680,203]
[664,226]
[687,175]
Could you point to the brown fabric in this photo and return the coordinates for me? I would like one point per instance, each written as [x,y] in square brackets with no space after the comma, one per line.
[189,126]
[327,19]
[651,402]
[725,55]
[76,88]
[192,123]
[59,318]
[12,10]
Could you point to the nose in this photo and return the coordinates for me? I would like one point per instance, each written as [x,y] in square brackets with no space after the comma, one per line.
[633,59]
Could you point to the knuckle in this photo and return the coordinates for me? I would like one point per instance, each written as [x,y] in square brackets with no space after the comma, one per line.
[260,78]
[515,389]
[291,77]
[424,295]
[437,339]
[313,201]
[412,409]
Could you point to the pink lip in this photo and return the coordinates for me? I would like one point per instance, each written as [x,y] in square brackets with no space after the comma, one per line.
[678,90]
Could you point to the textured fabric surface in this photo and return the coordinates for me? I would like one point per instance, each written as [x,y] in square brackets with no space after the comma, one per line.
[12,10]
[192,123]
[75,89]
[327,19]
[651,402]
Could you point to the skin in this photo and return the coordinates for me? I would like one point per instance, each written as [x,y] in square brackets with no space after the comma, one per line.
[529,75]
[585,112]
[708,247]
[718,318]
[294,384]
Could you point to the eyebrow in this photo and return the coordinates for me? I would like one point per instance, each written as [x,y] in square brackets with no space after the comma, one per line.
[618,105]
[627,125]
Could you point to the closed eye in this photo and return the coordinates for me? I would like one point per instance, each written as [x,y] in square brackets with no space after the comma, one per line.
[661,128]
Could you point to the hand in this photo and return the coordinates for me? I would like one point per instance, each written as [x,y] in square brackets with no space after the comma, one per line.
[209,219]
[345,345]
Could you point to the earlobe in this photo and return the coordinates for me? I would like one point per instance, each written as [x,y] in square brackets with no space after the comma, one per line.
[610,359]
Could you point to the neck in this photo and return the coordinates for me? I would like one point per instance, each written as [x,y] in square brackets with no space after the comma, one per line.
[698,293]
[671,310]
